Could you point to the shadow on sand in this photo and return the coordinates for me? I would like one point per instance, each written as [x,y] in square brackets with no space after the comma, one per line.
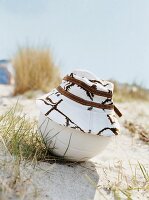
[68,182]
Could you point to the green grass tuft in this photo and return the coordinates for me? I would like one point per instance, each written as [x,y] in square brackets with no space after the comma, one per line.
[22,140]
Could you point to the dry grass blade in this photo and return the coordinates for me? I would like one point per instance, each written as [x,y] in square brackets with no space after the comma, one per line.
[68,145]
[128,92]
[125,188]
[137,129]
[34,70]
[144,172]
[23,141]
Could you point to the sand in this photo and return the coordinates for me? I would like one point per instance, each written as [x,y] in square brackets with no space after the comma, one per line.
[87,181]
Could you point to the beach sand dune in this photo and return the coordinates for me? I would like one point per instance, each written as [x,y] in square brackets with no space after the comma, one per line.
[96,179]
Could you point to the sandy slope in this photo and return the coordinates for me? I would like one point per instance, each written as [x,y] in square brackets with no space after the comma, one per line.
[78,182]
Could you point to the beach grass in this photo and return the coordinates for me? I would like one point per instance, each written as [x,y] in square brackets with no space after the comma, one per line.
[122,186]
[22,145]
[34,70]
[22,138]
[19,136]
[137,130]
[129,92]
[125,186]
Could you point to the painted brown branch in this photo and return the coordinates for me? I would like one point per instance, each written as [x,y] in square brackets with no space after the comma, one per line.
[54,107]
[95,81]
[110,119]
[114,130]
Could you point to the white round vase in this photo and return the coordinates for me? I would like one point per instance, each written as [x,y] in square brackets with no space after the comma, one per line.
[70,143]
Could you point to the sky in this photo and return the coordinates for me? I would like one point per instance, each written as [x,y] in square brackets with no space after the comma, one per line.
[109,38]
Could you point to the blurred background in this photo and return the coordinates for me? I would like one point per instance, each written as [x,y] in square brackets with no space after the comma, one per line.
[110,38]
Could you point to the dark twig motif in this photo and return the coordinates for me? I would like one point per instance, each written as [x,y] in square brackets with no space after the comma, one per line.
[54,107]
[67,122]
[67,83]
[106,101]
[69,86]
[71,75]
[90,108]
[89,94]
[114,130]
[94,87]
[45,102]
[112,121]
[95,81]
[49,99]
[57,93]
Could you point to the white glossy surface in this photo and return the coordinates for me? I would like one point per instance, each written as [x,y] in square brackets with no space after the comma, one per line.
[71,143]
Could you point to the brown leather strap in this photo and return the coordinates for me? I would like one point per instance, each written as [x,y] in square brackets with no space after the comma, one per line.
[87,103]
[117,111]
[86,87]
[82,101]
